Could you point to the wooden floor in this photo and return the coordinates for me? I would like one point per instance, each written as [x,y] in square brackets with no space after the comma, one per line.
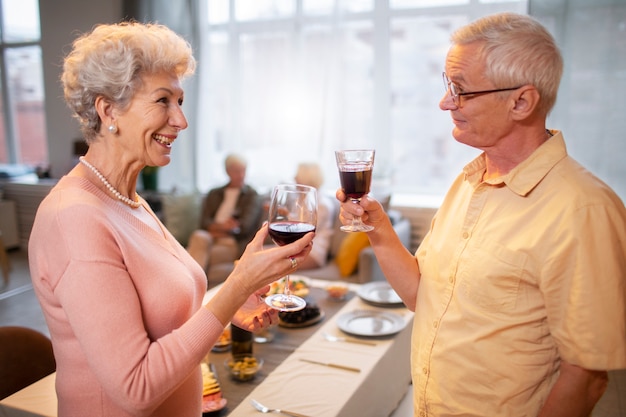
[19,307]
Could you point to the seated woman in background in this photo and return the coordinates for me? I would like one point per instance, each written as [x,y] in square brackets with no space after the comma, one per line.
[310,174]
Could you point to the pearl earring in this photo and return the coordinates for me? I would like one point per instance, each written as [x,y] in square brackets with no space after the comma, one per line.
[113,128]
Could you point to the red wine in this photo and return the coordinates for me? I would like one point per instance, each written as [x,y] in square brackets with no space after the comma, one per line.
[283,233]
[355,181]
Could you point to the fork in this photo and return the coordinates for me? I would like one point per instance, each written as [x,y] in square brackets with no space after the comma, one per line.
[265,409]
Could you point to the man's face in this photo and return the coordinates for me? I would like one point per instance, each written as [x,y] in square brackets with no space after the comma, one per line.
[479,121]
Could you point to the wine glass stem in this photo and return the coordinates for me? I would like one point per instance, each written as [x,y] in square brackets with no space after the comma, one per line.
[287,290]
[356,220]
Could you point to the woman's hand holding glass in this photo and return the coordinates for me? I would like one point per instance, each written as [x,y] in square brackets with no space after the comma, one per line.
[292,215]
[254,271]
[260,266]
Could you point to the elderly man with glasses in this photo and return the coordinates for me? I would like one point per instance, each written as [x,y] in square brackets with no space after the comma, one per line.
[519,286]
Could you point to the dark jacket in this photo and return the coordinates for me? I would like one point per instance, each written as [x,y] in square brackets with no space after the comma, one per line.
[247,211]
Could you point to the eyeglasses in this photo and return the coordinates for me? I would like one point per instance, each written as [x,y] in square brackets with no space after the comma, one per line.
[456,96]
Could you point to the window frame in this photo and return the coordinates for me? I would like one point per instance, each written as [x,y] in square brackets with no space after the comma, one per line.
[9,102]
[381,18]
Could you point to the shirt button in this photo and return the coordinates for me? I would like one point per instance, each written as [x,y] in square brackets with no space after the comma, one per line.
[425,370]
[435,323]
[451,279]
[465,235]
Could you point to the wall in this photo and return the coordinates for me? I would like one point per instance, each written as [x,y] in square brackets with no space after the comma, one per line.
[61,21]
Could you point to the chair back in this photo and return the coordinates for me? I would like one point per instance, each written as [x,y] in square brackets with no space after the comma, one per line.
[25,357]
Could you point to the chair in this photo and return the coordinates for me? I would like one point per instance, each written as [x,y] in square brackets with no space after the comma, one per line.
[25,357]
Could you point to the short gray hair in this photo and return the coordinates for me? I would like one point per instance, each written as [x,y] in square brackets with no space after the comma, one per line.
[110,61]
[517,50]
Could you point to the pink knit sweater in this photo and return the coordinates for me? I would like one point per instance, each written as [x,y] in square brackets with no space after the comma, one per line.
[123,306]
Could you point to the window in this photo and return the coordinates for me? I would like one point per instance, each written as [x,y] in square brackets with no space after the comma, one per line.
[22,112]
[286,81]
[292,80]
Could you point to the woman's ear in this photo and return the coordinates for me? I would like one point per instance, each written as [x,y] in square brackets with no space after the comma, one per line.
[105,110]
[526,102]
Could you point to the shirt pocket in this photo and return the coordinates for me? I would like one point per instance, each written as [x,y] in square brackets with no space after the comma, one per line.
[489,277]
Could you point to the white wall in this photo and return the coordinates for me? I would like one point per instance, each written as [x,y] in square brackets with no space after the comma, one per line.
[61,21]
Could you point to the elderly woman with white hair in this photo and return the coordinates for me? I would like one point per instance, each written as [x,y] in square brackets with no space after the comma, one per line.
[310,173]
[121,297]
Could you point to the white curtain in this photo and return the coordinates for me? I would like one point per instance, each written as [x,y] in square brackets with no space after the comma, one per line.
[294,84]
[282,93]
[297,79]
[183,17]
[592,97]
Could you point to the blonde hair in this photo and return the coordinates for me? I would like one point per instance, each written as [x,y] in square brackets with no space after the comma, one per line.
[309,174]
[234,160]
[517,50]
[110,61]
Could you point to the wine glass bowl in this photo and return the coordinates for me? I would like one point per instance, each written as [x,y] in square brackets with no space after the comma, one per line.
[292,214]
[355,172]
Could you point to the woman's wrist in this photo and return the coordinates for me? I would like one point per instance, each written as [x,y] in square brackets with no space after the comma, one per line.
[230,297]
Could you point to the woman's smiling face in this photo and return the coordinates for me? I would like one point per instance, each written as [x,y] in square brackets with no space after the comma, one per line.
[153,119]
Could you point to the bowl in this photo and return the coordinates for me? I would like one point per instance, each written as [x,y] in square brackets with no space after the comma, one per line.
[337,291]
[243,367]
[299,286]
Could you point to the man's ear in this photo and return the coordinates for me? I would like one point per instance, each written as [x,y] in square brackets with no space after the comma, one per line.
[526,102]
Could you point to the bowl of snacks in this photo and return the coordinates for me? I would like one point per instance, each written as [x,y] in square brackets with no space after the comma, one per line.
[298,286]
[337,291]
[243,367]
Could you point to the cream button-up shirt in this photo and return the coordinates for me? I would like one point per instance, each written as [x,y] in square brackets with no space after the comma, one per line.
[517,273]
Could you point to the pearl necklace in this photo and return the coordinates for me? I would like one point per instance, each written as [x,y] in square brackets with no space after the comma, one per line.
[122,198]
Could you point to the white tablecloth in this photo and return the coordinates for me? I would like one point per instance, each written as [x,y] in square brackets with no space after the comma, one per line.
[321,391]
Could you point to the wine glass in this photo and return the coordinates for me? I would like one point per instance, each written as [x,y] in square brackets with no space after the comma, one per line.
[355,172]
[292,214]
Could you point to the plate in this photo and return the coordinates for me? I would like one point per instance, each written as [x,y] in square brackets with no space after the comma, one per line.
[370,323]
[305,323]
[379,294]
[223,342]
[209,405]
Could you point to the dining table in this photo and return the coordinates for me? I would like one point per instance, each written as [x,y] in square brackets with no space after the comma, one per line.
[353,360]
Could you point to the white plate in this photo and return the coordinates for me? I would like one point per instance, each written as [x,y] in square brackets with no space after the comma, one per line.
[370,323]
[379,293]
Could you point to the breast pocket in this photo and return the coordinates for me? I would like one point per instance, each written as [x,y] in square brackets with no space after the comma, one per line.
[490,276]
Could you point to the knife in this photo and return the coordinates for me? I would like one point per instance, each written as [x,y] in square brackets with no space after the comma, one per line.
[332,365]
[332,338]
[357,341]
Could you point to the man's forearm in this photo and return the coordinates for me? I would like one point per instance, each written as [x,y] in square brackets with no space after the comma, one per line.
[575,393]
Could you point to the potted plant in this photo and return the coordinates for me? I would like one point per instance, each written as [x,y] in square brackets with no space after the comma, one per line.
[150,178]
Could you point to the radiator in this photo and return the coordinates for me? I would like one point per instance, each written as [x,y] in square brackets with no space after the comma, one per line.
[420,218]
[27,197]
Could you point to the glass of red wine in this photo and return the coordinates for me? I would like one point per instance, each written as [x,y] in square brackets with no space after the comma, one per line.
[292,214]
[355,172]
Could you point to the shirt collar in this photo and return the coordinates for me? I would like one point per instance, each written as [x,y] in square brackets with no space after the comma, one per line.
[525,176]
